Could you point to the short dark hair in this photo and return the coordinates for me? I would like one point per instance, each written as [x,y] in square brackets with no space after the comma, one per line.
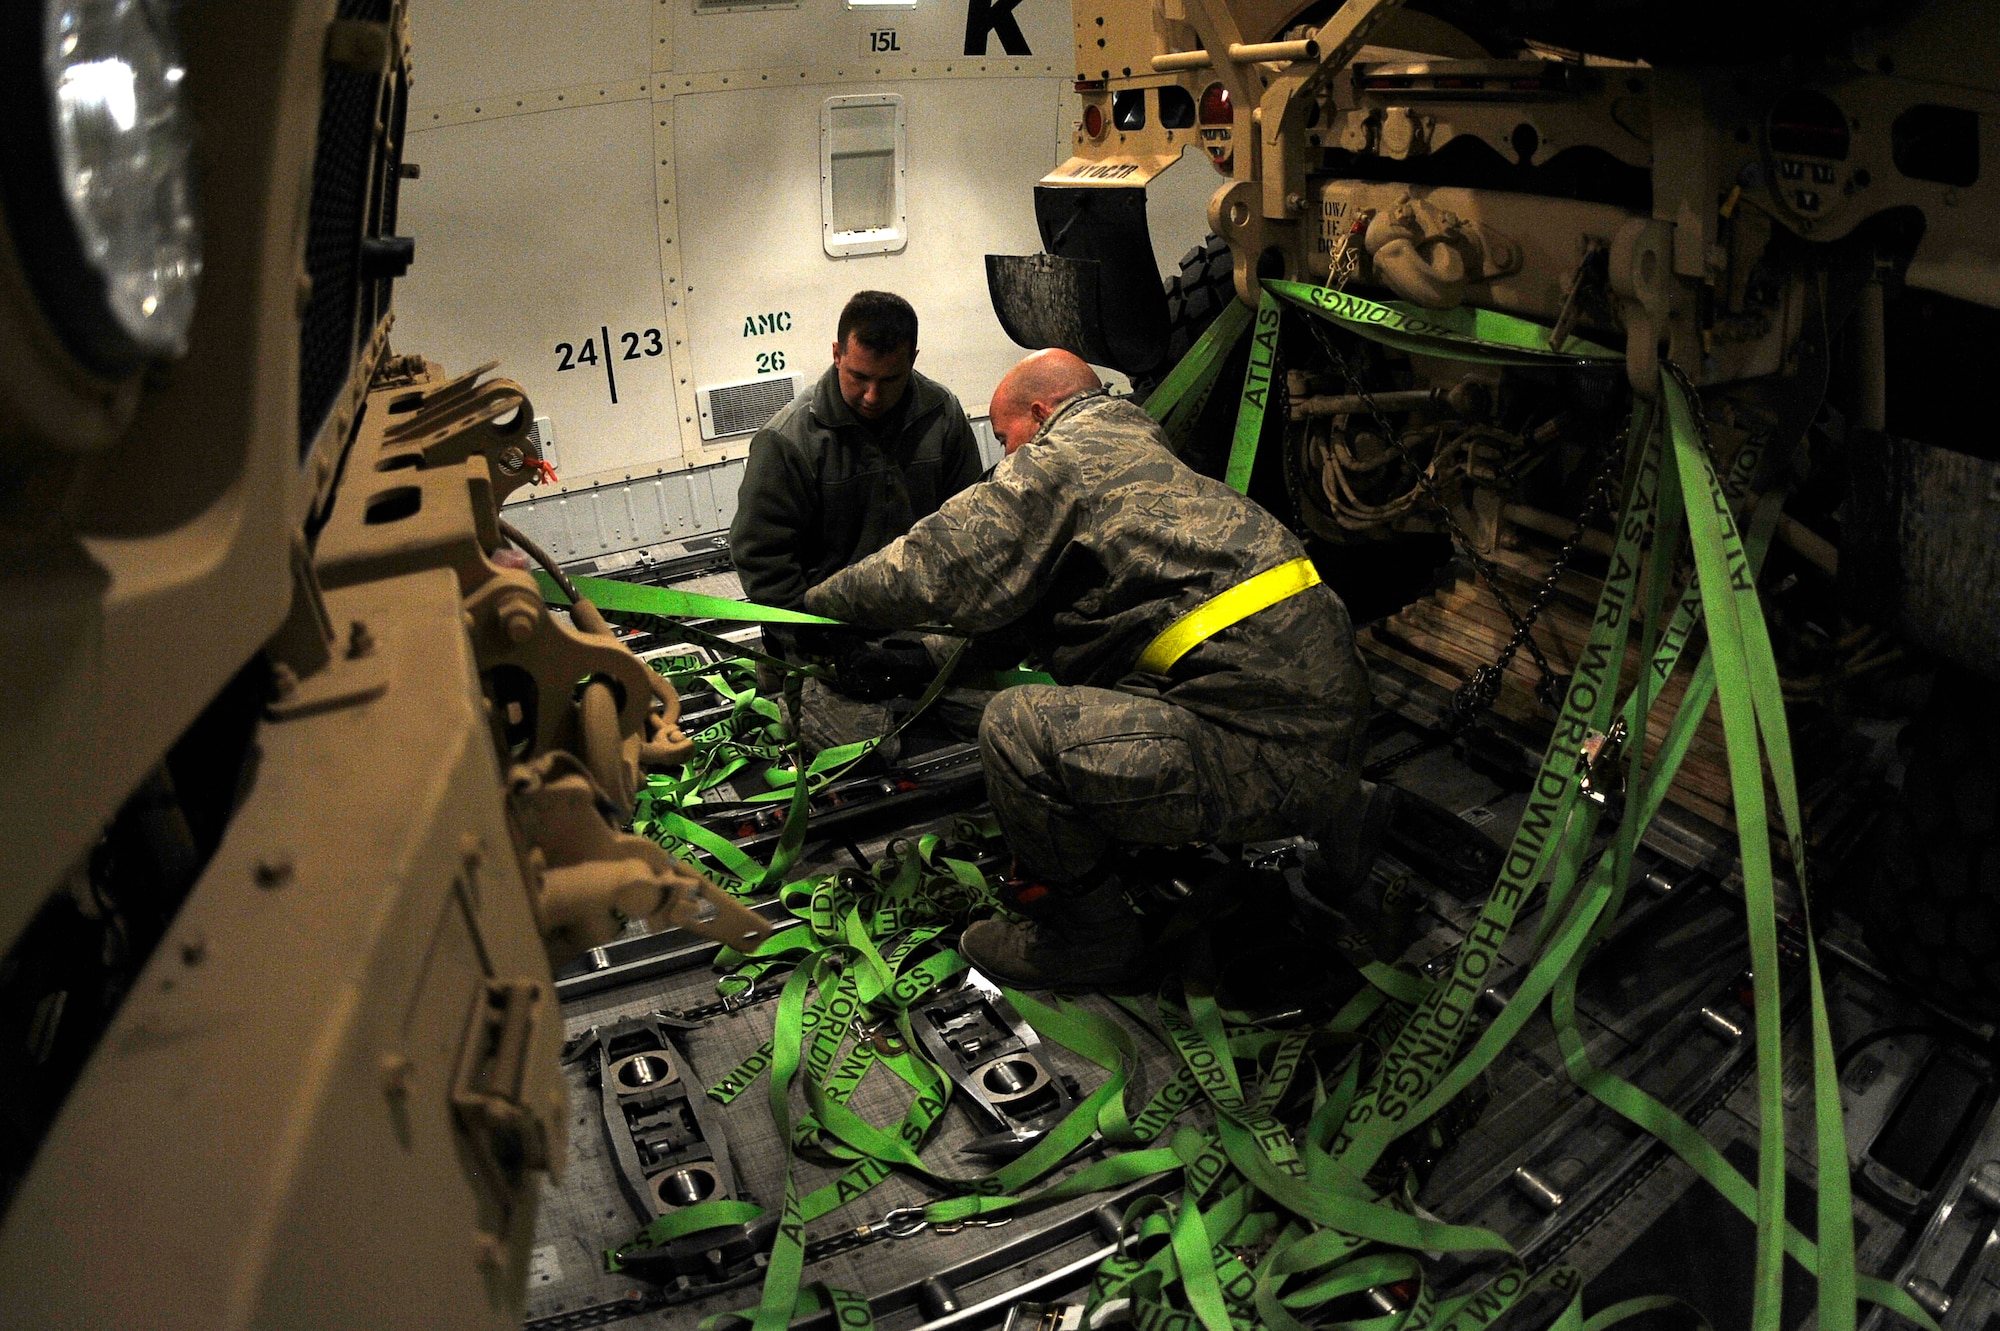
[883,321]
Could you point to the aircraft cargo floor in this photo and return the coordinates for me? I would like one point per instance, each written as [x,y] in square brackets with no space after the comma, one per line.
[1662,1004]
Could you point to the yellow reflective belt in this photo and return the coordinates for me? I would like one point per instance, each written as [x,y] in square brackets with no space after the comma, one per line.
[1218,612]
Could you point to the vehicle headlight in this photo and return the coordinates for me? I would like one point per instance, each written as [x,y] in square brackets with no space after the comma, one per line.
[117,268]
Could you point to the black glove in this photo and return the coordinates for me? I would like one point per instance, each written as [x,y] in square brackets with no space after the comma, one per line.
[887,669]
[818,642]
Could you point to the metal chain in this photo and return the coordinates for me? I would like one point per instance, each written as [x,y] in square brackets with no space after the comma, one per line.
[902,1222]
[731,1003]
[859,1237]
[1482,689]
[641,1300]
[603,1314]
[1695,407]
[1485,567]
[1600,491]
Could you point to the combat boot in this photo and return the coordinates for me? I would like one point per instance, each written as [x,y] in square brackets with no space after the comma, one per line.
[1090,940]
[1348,849]
[1358,851]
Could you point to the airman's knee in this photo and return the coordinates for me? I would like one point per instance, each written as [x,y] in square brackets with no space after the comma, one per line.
[1008,729]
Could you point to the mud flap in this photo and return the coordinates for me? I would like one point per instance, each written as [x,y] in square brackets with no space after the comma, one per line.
[1096,291]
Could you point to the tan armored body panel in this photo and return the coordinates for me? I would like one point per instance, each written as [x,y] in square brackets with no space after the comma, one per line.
[244,538]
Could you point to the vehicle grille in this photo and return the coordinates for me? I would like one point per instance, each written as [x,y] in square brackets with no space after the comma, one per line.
[353,195]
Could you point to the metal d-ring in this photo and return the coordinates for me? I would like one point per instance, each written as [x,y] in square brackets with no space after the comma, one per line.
[905,1222]
[730,1002]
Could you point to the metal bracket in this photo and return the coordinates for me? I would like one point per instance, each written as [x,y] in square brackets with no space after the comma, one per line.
[357,675]
[670,1149]
[590,878]
[977,1037]
[489,1091]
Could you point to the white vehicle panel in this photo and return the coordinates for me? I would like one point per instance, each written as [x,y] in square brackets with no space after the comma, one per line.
[753,251]
[536,232]
[469,51]
[824,32]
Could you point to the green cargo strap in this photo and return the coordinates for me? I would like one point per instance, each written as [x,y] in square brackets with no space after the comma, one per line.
[667,825]
[830,764]
[725,851]
[1482,336]
[692,1220]
[1728,570]
[1264,1154]
[1182,394]
[1419,1057]
[1258,383]
[1745,678]
[639,599]
[1218,612]
[787,1261]
[1301,1200]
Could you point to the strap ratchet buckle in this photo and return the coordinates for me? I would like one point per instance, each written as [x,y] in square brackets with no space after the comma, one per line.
[881,1034]
[1597,764]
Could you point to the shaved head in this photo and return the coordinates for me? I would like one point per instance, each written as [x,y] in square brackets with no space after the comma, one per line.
[1030,393]
[1049,377]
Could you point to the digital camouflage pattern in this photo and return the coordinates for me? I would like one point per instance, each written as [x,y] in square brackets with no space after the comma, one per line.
[1086,543]
[1074,771]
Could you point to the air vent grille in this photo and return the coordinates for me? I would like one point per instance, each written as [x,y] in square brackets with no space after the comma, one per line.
[739,408]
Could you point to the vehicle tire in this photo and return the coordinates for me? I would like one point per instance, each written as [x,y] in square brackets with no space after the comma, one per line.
[1930,905]
[1201,290]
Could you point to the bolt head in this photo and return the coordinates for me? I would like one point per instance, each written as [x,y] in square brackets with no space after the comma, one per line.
[396,1069]
[492,1253]
[518,615]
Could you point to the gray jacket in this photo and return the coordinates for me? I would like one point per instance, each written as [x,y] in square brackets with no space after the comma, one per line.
[821,490]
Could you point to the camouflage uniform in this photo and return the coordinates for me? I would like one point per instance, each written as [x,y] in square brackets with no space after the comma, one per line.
[1088,541]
